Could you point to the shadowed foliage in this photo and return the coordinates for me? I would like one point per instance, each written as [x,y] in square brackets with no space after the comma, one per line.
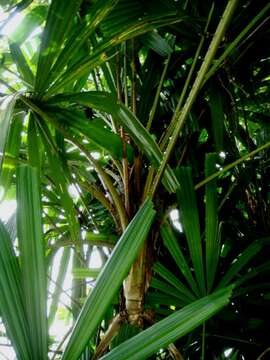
[135,141]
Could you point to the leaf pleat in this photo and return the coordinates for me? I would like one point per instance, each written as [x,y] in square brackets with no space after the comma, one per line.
[127,31]
[6,111]
[32,257]
[172,245]
[253,249]
[60,179]
[100,9]
[11,300]
[212,246]
[167,289]
[58,24]
[166,274]
[190,218]
[12,150]
[21,63]
[60,280]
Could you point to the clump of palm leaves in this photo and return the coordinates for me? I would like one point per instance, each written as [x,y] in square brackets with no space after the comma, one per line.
[141,108]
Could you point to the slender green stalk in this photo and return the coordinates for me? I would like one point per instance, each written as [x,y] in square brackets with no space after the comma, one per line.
[203,341]
[155,103]
[125,74]
[181,118]
[133,79]
[67,242]
[234,43]
[60,279]
[232,165]
[187,82]
[61,343]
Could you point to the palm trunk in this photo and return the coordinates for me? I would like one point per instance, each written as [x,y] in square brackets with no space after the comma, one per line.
[136,285]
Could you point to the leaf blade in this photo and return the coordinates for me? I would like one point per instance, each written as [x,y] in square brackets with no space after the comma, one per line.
[171,244]
[58,23]
[6,110]
[190,217]
[212,247]
[110,280]
[32,258]
[11,302]
[171,328]
[108,103]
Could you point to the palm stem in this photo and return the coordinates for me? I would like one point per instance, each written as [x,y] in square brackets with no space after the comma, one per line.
[232,165]
[182,116]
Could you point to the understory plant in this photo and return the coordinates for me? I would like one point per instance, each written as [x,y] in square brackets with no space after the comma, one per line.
[137,132]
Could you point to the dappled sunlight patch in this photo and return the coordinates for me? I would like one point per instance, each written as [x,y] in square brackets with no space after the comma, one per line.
[11,25]
[175,219]
[7,209]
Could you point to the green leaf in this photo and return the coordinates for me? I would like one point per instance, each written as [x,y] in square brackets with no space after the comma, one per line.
[127,30]
[233,45]
[255,271]
[60,178]
[167,289]
[59,281]
[154,299]
[130,11]
[12,149]
[190,218]
[58,24]
[11,301]
[21,63]
[170,329]
[6,111]
[212,248]
[172,245]
[82,273]
[157,43]
[217,116]
[100,9]
[253,249]
[31,20]
[109,280]
[126,332]
[33,143]
[32,256]
[108,103]
[110,238]
[173,280]
[11,227]
[94,130]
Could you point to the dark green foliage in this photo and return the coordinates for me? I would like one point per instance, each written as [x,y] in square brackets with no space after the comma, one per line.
[116,107]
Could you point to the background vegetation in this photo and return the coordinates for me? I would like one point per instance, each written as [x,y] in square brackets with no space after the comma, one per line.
[134,139]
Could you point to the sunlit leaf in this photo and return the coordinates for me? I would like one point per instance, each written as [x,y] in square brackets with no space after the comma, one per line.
[6,111]
[32,257]
[11,301]
[109,280]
